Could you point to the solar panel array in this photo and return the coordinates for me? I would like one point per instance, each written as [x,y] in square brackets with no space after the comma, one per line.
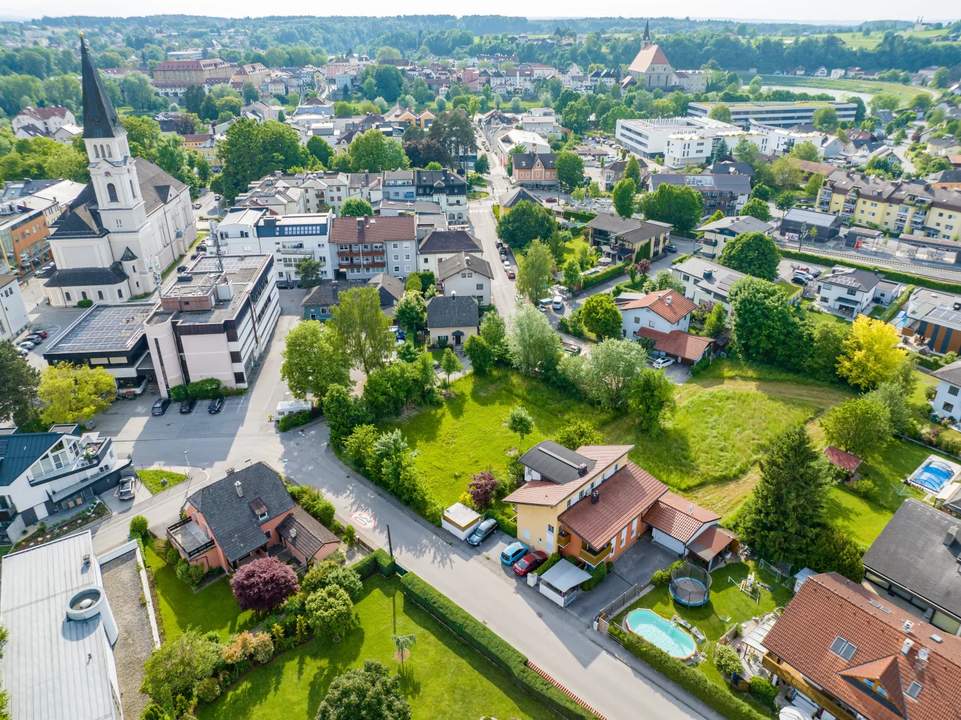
[105,327]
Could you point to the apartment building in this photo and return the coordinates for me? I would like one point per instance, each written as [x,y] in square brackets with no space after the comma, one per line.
[899,207]
[13,311]
[293,238]
[366,246]
[184,73]
[777,114]
[214,321]
[23,237]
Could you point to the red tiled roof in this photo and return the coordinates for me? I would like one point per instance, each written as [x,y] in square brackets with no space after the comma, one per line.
[647,56]
[711,543]
[45,113]
[545,492]
[624,496]
[347,230]
[678,517]
[829,606]
[669,304]
[840,458]
[678,343]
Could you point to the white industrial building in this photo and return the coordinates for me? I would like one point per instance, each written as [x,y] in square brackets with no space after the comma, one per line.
[779,114]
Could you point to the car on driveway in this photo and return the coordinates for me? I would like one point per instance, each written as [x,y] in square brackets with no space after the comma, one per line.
[125,490]
[671,248]
[26,345]
[513,552]
[160,406]
[802,278]
[482,532]
[570,348]
[187,406]
[511,274]
[216,405]
[531,561]
[662,362]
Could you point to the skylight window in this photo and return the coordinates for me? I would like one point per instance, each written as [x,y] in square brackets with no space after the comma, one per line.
[914,689]
[843,648]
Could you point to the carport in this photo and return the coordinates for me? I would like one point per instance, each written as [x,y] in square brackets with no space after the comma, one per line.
[562,581]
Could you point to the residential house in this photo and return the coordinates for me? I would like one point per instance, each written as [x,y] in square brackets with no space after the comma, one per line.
[537,170]
[366,246]
[444,244]
[715,235]
[43,473]
[542,121]
[614,172]
[933,319]
[23,237]
[214,320]
[706,282]
[663,318]
[42,122]
[517,195]
[725,192]
[294,238]
[451,319]
[399,185]
[447,189]
[205,145]
[947,179]
[529,142]
[915,558]
[13,311]
[848,653]
[466,275]
[622,239]
[76,636]
[810,224]
[321,299]
[246,515]
[946,402]
[593,504]
[850,292]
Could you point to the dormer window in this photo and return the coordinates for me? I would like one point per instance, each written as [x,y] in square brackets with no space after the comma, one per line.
[843,648]
[875,687]
[914,689]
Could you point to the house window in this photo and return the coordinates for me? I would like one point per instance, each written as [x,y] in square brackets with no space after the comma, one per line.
[948,407]
[914,689]
[953,390]
[100,294]
[66,296]
[843,648]
[112,193]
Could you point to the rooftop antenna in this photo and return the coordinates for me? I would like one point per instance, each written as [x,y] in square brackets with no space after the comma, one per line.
[218,252]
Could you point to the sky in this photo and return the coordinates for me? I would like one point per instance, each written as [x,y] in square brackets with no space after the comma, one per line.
[806,11]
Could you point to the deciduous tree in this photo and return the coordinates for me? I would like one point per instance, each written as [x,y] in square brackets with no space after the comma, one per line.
[330,613]
[859,425]
[753,253]
[253,149]
[365,694]
[577,433]
[623,197]
[411,312]
[600,315]
[356,207]
[764,327]
[676,204]
[520,421]
[18,391]
[570,169]
[263,584]
[650,398]
[611,366]
[449,363]
[480,354]
[483,489]
[525,222]
[362,327]
[534,346]
[372,151]
[178,665]
[314,360]
[534,269]
[755,207]
[871,354]
[74,393]
[308,270]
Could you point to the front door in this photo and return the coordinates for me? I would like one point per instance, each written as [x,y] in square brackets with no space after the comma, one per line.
[623,537]
[550,539]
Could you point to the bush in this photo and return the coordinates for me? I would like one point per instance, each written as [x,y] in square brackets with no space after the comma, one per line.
[689,678]
[662,577]
[487,643]
[597,577]
[314,503]
[263,584]
[328,573]
[613,271]
[85,303]
[294,420]
[206,389]
[208,690]
[762,689]
[377,561]
[726,660]
[350,536]
[171,556]
[330,613]
[138,527]
[195,574]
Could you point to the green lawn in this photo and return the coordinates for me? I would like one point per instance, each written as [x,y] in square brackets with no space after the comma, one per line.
[211,609]
[446,679]
[728,606]
[904,93]
[157,479]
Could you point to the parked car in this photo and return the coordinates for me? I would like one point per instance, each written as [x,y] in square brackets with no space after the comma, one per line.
[671,248]
[507,264]
[196,206]
[513,552]
[215,406]
[187,406]
[511,274]
[802,278]
[42,333]
[125,490]
[662,363]
[570,348]
[46,271]
[26,345]
[558,303]
[482,532]
[160,406]
[530,561]
[22,352]
[34,338]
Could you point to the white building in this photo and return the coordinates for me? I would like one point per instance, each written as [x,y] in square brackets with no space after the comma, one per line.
[294,238]
[442,245]
[542,121]
[850,292]
[778,114]
[466,274]
[715,235]
[706,282]
[13,311]
[214,321]
[663,311]
[131,222]
[530,142]
[947,398]
[42,122]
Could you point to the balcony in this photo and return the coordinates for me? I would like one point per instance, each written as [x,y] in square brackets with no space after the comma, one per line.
[189,538]
[563,540]
[594,558]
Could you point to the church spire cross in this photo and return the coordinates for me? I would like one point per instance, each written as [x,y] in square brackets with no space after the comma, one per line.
[99,118]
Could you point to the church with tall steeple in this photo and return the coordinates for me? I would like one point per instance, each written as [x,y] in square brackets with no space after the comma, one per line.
[130,223]
[652,70]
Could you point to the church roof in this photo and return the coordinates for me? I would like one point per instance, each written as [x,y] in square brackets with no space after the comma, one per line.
[78,277]
[128,255]
[99,118]
[647,56]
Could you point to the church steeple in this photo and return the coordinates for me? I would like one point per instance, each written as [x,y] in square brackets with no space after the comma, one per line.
[647,32]
[99,118]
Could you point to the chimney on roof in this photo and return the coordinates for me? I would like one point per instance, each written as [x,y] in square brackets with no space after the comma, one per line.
[582,470]
[239,488]
[595,496]
[907,625]
[667,299]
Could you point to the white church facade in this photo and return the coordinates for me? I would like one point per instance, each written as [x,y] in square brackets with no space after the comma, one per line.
[131,222]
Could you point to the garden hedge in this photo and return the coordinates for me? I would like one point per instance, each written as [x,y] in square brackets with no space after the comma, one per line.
[689,678]
[206,389]
[490,645]
[583,216]
[612,272]
[377,561]
[294,420]
[895,275]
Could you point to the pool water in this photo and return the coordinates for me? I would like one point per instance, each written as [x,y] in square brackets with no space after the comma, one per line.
[933,476]
[661,632]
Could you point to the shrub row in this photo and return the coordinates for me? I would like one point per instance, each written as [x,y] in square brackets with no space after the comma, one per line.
[583,216]
[894,275]
[689,678]
[377,561]
[490,645]
[604,275]
[206,389]
[314,504]
[294,420]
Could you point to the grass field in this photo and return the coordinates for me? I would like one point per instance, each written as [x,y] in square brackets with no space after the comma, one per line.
[860,41]
[157,479]
[443,678]
[905,93]
[212,609]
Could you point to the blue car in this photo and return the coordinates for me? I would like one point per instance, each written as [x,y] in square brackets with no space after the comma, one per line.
[513,552]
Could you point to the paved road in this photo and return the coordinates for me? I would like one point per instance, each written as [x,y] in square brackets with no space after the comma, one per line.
[552,637]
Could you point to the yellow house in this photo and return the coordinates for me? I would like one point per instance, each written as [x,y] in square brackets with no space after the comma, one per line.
[592,504]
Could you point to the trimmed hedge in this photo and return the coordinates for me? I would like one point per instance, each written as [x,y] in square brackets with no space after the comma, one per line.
[206,389]
[583,216]
[895,275]
[377,561]
[289,422]
[490,645]
[689,678]
[612,272]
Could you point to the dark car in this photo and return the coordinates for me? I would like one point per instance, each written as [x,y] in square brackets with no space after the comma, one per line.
[126,490]
[531,561]
[671,248]
[482,532]
[160,406]
[215,406]
[187,406]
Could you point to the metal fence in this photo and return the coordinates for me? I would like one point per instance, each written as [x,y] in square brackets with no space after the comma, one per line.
[622,601]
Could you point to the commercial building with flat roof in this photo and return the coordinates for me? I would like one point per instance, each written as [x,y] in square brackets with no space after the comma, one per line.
[778,114]
[13,311]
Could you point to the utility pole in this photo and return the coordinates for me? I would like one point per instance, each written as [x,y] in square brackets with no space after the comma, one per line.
[390,544]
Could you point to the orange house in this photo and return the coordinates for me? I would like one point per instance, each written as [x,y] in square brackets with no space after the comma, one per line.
[534,169]
[246,515]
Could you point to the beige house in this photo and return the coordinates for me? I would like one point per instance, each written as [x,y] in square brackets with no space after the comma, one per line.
[466,275]
[451,319]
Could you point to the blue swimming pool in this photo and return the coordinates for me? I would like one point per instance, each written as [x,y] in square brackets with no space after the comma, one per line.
[933,475]
[661,632]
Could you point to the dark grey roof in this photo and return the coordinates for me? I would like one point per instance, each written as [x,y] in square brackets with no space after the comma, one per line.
[304,533]
[445,177]
[391,289]
[950,373]
[811,217]
[862,280]
[326,293]
[128,255]
[516,196]
[914,552]
[446,311]
[463,261]
[99,118]
[526,160]
[556,463]
[449,241]
[79,277]
[613,224]
[231,518]
[21,450]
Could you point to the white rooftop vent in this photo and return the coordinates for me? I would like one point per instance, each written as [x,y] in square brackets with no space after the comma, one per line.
[238,486]
[906,646]
[89,603]
[923,654]
[907,626]
[937,638]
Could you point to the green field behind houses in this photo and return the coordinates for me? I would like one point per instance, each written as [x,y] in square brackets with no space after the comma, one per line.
[904,93]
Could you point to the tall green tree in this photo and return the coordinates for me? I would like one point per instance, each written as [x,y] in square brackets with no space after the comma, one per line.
[871,354]
[320,149]
[372,151]
[785,515]
[534,269]
[18,391]
[757,208]
[365,693]
[74,393]
[356,207]
[623,197]
[650,398]
[611,367]
[753,253]
[859,425]
[313,360]
[308,269]
[765,328]
[525,222]
[632,171]
[411,313]
[362,327]
[252,150]
[570,169]
[676,204]
[534,346]
[600,315]
[177,666]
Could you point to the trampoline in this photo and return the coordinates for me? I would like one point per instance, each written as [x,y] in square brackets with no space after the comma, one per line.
[690,585]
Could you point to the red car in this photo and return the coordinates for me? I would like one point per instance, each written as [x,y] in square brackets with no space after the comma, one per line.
[529,562]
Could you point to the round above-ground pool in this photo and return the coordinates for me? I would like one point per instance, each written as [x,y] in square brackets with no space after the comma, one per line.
[661,633]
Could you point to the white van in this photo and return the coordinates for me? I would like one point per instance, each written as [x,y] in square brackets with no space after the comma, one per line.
[289,407]
[558,303]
